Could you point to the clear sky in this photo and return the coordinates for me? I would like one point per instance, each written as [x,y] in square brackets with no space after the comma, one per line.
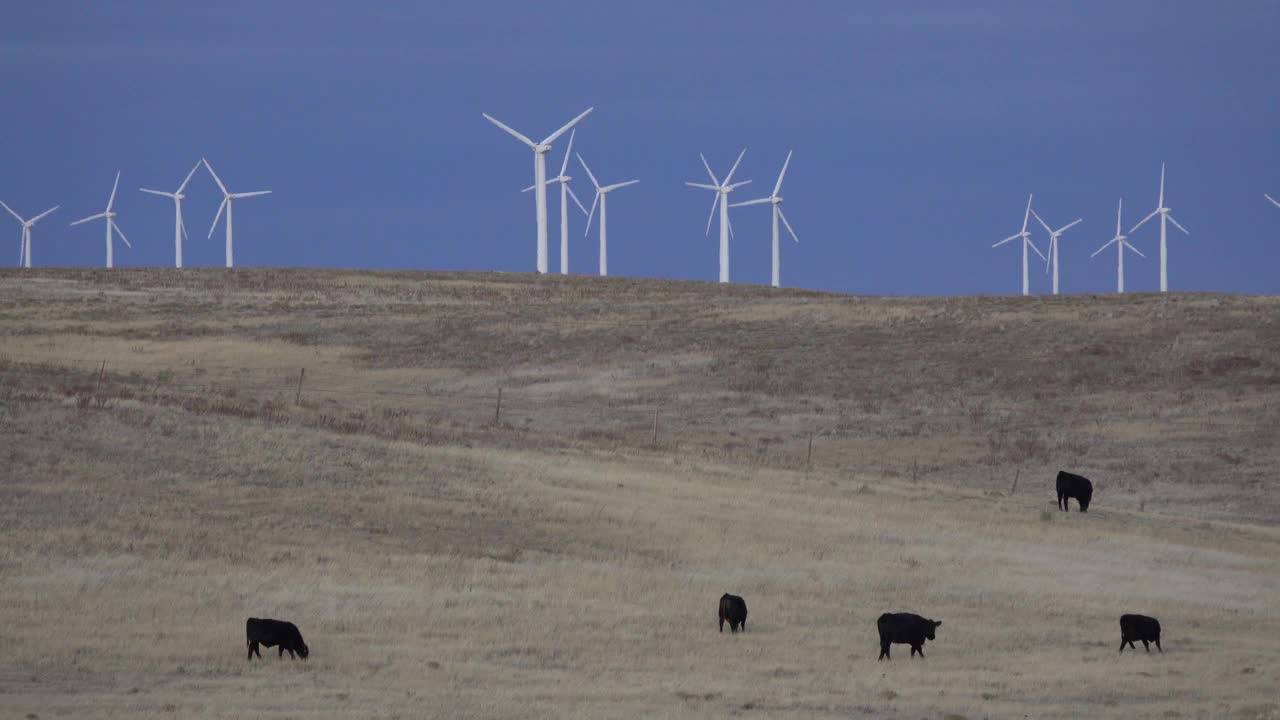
[918,130]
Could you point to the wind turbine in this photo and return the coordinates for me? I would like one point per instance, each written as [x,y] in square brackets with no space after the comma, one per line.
[1273,200]
[227,197]
[722,190]
[540,150]
[179,229]
[1122,243]
[24,249]
[775,200]
[602,197]
[1026,242]
[110,217]
[565,193]
[1053,245]
[1163,212]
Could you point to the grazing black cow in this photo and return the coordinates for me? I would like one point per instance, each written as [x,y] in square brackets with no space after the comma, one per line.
[1075,486]
[905,629]
[733,609]
[275,632]
[1139,627]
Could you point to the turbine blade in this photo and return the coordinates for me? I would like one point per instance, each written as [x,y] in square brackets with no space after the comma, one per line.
[591,214]
[512,132]
[1040,220]
[712,215]
[574,195]
[1144,220]
[735,186]
[552,137]
[1119,209]
[783,216]
[714,181]
[1110,242]
[1026,216]
[615,186]
[36,219]
[1175,224]
[218,217]
[1068,226]
[777,188]
[112,200]
[121,232]
[1052,242]
[215,176]
[183,186]
[251,194]
[734,169]
[757,201]
[1033,247]
[182,224]
[11,212]
[704,186]
[1273,200]
[158,192]
[1011,238]
[1161,184]
[99,216]
[531,187]
[729,222]
[564,165]
[589,173]
[1135,250]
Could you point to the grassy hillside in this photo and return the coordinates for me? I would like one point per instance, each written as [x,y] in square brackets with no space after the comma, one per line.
[560,562]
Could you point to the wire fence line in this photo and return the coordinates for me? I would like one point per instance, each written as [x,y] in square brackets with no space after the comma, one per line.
[630,419]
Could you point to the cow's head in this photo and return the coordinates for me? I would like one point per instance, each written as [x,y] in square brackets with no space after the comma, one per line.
[1084,502]
[302,650]
[931,628]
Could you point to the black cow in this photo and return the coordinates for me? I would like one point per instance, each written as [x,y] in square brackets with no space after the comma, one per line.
[905,629]
[733,609]
[275,632]
[1075,486]
[1139,627]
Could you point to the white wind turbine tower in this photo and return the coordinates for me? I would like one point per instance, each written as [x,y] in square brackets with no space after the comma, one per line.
[1122,243]
[1163,212]
[110,217]
[776,201]
[227,197]
[1053,245]
[24,249]
[565,193]
[722,190]
[1273,200]
[1026,242]
[179,229]
[540,150]
[602,197]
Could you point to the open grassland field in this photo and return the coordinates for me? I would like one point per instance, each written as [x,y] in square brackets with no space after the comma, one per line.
[560,562]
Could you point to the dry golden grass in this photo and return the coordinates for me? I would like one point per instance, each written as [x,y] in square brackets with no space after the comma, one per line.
[560,565]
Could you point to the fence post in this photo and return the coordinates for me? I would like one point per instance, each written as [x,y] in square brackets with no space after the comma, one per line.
[1014,489]
[808,459]
[297,396]
[497,409]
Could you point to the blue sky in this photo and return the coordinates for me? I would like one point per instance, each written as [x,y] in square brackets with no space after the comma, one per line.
[918,130]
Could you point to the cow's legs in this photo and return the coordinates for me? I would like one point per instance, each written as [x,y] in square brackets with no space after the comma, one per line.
[1158,645]
[884,651]
[1060,503]
[721,624]
[1122,642]
[281,649]
[253,646]
[1146,644]
[292,656]
[744,624]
